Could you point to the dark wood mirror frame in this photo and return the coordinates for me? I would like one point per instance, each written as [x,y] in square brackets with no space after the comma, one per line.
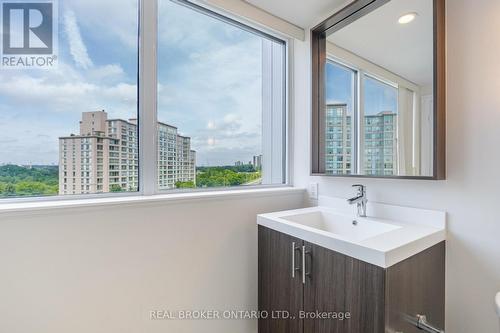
[339,20]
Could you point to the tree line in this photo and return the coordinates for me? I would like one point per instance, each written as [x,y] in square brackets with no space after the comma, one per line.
[18,181]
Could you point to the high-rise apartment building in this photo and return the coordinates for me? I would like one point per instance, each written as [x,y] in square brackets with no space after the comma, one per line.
[186,159]
[167,155]
[380,157]
[257,162]
[104,157]
[338,140]
[380,142]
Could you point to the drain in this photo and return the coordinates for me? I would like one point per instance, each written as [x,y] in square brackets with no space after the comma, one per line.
[354,222]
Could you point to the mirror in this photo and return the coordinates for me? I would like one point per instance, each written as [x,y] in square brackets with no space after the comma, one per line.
[378,104]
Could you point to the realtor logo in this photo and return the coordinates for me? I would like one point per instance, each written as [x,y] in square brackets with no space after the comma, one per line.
[29,31]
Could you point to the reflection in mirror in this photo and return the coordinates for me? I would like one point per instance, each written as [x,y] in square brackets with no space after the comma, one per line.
[379,93]
[339,125]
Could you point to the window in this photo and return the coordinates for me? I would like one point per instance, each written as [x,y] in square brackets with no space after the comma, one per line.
[218,118]
[48,114]
[340,96]
[381,118]
[375,119]
[221,103]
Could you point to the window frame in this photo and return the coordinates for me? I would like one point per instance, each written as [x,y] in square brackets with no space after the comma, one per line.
[355,130]
[337,21]
[147,96]
[361,115]
[373,72]
[358,131]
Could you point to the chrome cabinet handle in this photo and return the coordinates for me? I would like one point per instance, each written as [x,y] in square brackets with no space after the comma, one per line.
[425,326]
[304,270]
[294,269]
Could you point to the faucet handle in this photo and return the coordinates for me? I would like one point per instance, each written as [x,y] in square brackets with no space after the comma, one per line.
[361,188]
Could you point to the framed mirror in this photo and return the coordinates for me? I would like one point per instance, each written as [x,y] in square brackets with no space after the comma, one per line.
[378,91]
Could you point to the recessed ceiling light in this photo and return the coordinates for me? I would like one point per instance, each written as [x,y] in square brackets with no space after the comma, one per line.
[407,18]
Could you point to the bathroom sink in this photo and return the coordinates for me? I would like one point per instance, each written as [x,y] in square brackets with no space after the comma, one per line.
[387,236]
[340,225]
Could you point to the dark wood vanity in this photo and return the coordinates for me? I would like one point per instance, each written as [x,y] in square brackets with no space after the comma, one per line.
[395,131]
[294,290]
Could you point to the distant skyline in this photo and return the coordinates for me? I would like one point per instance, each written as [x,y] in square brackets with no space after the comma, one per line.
[209,82]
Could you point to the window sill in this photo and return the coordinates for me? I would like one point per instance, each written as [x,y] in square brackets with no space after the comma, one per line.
[142,199]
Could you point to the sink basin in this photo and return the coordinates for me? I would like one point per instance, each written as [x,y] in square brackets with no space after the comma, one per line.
[340,225]
[387,236]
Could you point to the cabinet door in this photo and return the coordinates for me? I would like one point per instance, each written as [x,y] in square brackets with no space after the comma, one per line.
[365,297]
[417,286]
[338,283]
[279,293]
[324,291]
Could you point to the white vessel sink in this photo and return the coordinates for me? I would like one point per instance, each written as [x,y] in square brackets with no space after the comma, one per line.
[387,236]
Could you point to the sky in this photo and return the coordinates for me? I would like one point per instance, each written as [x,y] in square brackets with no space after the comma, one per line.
[378,96]
[209,82]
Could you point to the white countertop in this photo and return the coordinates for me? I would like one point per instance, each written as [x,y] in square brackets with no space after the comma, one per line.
[407,231]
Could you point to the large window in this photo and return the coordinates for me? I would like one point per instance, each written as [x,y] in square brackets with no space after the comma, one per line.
[72,128]
[76,126]
[220,101]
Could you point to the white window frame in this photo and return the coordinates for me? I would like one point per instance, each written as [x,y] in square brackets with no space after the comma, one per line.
[364,67]
[358,139]
[147,110]
[362,139]
[355,130]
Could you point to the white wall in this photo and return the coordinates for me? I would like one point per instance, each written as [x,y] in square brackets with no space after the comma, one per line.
[471,195]
[103,269]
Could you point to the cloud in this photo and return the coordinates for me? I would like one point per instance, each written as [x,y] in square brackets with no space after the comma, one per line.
[22,143]
[39,107]
[82,95]
[225,141]
[211,125]
[225,156]
[210,83]
[77,46]
[97,70]
[113,72]
[6,140]
[217,100]
[115,21]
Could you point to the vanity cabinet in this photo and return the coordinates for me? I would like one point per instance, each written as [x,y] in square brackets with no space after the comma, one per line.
[378,299]
[279,292]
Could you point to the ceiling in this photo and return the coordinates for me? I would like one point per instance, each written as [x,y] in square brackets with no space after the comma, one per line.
[406,50]
[304,13]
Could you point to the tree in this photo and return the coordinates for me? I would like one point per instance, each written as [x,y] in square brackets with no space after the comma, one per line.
[10,189]
[115,188]
[225,176]
[185,185]
[28,181]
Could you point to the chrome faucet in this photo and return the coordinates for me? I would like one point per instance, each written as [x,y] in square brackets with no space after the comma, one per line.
[360,200]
